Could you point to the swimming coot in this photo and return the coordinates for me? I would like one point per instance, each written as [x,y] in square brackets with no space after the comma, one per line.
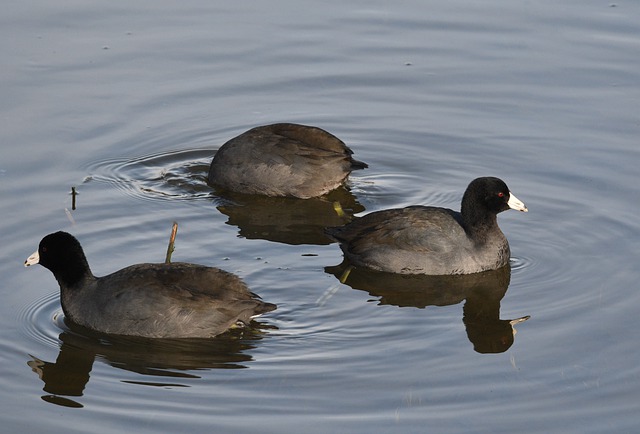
[432,240]
[282,159]
[176,300]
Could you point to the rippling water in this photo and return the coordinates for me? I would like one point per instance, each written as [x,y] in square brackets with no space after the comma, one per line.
[128,103]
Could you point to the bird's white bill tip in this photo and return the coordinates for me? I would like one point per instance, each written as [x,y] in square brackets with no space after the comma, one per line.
[515,203]
[519,320]
[33,259]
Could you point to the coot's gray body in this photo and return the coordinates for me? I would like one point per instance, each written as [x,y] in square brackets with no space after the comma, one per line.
[176,300]
[282,159]
[432,240]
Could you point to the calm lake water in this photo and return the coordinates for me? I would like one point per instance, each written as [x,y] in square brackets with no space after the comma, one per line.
[128,104]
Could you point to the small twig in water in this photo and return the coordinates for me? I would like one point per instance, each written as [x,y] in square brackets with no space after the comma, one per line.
[345,274]
[74,193]
[172,242]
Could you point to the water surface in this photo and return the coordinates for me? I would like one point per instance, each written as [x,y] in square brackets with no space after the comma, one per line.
[128,103]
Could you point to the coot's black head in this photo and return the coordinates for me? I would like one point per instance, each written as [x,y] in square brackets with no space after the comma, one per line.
[492,194]
[62,254]
[485,197]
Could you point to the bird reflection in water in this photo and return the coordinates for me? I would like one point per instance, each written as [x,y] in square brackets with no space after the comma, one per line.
[166,358]
[289,220]
[482,293]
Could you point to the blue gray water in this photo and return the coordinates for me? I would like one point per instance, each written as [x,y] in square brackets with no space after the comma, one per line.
[128,103]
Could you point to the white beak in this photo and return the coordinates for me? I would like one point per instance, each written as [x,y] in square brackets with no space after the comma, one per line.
[33,259]
[513,322]
[515,203]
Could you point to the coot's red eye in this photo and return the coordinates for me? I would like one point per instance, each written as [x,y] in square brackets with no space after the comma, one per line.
[501,194]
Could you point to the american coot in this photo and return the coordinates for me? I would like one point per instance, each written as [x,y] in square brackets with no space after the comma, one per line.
[282,159]
[175,300]
[431,240]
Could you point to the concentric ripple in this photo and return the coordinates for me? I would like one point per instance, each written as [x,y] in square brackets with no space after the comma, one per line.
[519,263]
[391,190]
[168,175]
[43,319]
